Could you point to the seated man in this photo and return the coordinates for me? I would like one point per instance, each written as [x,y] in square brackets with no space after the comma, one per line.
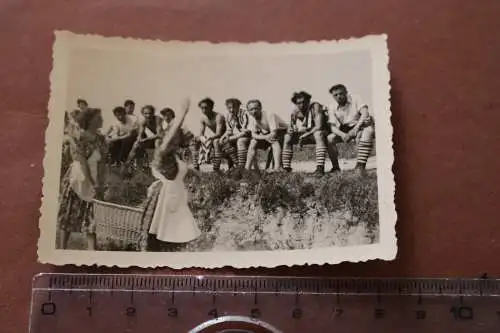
[237,137]
[308,125]
[349,119]
[217,124]
[121,135]
[267,131]
[150,130]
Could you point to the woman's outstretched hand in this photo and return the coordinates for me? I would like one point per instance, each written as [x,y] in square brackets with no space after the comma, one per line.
[186,103]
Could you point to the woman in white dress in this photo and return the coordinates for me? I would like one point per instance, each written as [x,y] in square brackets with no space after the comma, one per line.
[170,220]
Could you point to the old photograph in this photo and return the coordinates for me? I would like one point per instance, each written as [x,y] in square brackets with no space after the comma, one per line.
[199,154]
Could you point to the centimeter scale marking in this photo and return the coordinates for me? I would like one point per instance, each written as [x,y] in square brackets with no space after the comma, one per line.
[158,303]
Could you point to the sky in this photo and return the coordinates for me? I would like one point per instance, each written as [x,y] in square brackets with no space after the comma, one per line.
[106,77]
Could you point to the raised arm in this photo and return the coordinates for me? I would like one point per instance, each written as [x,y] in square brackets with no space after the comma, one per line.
[174,128]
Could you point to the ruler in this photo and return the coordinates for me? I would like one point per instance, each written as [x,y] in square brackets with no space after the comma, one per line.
[63,303]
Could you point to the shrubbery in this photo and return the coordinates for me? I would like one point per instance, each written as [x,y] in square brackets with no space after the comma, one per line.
[252,210]
[253,200]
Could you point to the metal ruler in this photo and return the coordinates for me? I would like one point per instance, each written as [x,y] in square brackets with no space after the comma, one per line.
[63,303]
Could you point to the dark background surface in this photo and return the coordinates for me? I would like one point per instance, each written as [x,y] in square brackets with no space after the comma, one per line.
[445,69]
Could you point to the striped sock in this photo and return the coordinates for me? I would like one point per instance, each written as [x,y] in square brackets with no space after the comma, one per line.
[287,155]
[364,150]
[242,156]
[216,159]
[320,157]
[195,154]
[231,152]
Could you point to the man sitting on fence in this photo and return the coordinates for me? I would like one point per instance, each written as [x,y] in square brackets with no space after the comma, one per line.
[217,124]
[308,125]
[236,139]
[349,119]
[267,131]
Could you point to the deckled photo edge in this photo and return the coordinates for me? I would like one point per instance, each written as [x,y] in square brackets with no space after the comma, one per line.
[385,250]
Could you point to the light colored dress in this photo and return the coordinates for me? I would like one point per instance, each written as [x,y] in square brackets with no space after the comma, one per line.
[172,219]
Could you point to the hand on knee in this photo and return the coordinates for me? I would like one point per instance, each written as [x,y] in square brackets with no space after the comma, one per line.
[318,136]
[331,138]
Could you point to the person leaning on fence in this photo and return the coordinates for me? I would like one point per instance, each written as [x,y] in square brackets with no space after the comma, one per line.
[216,122]
[166,211]
[267,131]
[236,139]
[308,125]
[83,180]
[150,130]
[349,119]
[121,135]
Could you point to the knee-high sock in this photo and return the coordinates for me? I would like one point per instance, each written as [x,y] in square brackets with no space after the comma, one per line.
[231,152]
[242,154]
[287,156]
[320,157]
[194,147]
[364,150]
[216,159]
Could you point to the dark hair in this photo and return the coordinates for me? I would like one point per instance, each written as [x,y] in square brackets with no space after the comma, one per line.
[81,100]
[152,108]
[166,111]
[233,101]
[83,118]
[208,101]
[301,94]
[254,101]
[119,109]
[129,102]
[337,87]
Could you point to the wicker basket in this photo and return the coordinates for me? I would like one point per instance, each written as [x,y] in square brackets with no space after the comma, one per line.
[120,225]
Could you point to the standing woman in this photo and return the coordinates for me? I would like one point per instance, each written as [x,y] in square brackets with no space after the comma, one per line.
[83,180]
[170,220]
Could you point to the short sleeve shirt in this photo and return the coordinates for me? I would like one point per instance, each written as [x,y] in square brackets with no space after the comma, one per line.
[308,120]
[131,124]
[348,114]
[239,122]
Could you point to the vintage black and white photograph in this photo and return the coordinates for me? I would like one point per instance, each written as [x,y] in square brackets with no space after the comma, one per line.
[198,154]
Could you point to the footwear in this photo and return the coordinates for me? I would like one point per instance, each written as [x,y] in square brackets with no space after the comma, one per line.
[287,169]
[334,170]
[360,170]
[319,172]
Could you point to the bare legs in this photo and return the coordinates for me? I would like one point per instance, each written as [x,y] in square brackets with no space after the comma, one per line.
[364,142]
[252,151]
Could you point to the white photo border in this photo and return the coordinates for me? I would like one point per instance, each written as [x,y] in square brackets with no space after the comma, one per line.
[385,249]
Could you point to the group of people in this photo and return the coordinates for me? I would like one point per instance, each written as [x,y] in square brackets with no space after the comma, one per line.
[235,137]
[239,134]
[241,131]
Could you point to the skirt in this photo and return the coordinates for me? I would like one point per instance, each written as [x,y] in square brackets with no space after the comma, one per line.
[75,214]
[176,225]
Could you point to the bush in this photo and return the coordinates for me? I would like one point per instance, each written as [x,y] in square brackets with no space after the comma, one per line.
[244,208]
